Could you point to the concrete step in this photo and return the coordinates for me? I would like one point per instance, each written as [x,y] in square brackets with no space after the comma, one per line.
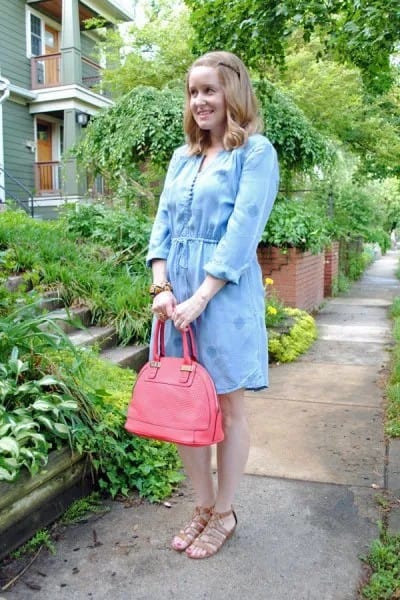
[70,319]
[14,282]
[130,357]
[51,301]
[103,337]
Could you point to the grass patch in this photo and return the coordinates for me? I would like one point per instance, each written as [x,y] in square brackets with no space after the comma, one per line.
[41,538]
[80,509]
[384,560]
[392,426]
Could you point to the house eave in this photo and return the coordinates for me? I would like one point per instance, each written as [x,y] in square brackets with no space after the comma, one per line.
[112,10]
[16,90]
[64,97]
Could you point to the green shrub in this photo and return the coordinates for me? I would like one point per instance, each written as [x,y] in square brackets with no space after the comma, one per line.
[297,223]
[294,337]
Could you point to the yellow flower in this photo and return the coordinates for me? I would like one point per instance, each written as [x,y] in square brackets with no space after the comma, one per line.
[268,281]
[272,310]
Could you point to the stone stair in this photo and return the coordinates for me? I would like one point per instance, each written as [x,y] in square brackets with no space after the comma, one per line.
[76,323]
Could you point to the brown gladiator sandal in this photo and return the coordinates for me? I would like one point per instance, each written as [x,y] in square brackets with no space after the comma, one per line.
[186,536]
[213,536]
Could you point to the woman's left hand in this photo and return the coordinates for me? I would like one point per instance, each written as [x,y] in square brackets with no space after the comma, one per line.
[188,311]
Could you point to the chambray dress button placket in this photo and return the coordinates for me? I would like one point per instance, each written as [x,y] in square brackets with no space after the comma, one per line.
[185,232]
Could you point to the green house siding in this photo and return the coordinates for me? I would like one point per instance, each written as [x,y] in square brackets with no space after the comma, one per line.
[18,129]
[14,63]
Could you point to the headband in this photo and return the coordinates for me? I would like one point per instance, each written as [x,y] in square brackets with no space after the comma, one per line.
[222,64]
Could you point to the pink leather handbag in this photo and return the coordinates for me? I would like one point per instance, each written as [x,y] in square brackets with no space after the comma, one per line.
[174,399]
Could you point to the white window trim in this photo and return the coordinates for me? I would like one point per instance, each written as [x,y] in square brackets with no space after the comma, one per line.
[43,22]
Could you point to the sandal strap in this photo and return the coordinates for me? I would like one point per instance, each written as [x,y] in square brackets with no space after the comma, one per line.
[200,518]
[214,534]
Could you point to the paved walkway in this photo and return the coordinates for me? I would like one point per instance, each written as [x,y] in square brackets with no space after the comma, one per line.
[307,506]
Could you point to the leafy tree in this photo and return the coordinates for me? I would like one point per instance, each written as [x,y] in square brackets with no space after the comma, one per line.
[363,33]
[140,132]
[155,54]
[332,97]
[299,145]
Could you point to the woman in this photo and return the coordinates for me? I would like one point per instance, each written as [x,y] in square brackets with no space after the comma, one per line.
[217,197]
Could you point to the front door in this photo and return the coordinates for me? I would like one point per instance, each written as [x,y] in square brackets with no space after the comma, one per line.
[44,147]
[52,47]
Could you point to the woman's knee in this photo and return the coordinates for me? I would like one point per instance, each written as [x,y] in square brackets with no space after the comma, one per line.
[232,407]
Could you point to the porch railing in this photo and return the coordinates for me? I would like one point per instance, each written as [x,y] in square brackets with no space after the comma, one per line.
[26,202]
[46,72]
[47,178]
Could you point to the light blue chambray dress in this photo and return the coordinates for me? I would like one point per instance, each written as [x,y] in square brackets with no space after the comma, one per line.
[210,222]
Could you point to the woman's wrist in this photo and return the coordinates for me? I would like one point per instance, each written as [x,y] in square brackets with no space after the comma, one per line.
[158,287]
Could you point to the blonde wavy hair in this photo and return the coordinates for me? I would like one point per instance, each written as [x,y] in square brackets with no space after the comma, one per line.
[242,112]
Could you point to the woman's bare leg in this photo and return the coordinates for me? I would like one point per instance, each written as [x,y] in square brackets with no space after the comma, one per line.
[197,463]
[233,451]
[232,456]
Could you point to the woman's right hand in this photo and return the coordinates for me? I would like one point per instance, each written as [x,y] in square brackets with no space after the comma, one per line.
[164,305]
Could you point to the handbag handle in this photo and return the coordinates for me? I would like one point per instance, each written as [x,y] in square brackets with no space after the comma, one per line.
[159,344]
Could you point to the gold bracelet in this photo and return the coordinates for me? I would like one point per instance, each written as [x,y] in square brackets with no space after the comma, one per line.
[157,288]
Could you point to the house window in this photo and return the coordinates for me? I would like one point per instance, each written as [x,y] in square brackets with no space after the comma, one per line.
[36,36]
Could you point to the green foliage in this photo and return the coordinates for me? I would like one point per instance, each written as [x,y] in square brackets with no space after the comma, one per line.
[384,558]
[364,35]
[333,99]
[392,426]
[52,393]
[293,337]
[110,279]
[341,285]
[299,145]
[354,259]
[156,53]
[38,408]
[41,538]
[274,307]
[354,212]
[297,223]
[395,308]
[80,509]
[143,126]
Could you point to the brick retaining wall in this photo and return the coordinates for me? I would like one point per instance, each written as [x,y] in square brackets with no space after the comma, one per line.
[331,270]
[298,276]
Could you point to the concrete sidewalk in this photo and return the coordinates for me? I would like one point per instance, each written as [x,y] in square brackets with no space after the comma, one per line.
[307,507]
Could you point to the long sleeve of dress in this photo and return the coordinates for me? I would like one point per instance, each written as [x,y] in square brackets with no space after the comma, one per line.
[257,190]
[160,238]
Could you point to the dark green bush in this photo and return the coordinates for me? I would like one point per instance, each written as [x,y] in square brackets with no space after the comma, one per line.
[297,223]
